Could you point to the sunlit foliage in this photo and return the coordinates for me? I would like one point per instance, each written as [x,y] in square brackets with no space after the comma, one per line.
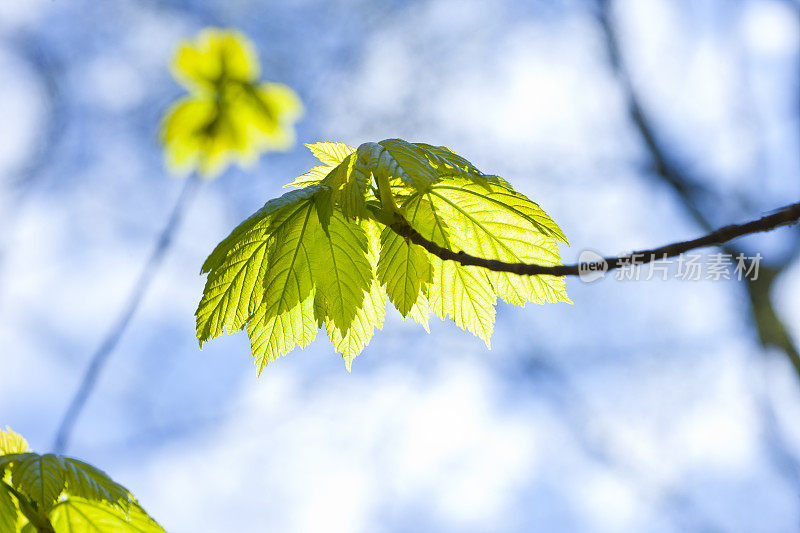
[229,115]
[63,495]
[323,255]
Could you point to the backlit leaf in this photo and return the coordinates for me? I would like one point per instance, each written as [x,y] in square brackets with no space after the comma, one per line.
[214,53]
[313,176]
[330,153]
[285,314]
[341,270]
[367,317]
[40,477]
[490,221]
[9,513]
[11,442]
[325,257]
[86,481]
[77,515]
[404,269]
[238,265]
[461,293]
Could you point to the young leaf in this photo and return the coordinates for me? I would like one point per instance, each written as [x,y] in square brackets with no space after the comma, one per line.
[228,116]
[11,458]
[9,514]
[462,293]
[404,269]
[346,186]
[214,53]
[40,477]
[285,314]
[368,316]
[448,162]
[330,153]
[420,311]
[491,221]
[70,494]
[11,442]
[273,109]
[313,176]
[321,257]
[77,514]
[465,295]
[237,266]
[274,335]
[402,160]
[86,481]
[341,270]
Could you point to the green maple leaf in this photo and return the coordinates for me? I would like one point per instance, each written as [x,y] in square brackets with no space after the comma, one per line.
[228,115]
[86,481]
[352,340]
[330,153]
[11,442]
[238,265]
[342,271]
[265,274]
[41,477]
[461,293]
[285,315]
[325,255]
[9,514]
[488,220]
[404,269]
[77,514]
[43,490]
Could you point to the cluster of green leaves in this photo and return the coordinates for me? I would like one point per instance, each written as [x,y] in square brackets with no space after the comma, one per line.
[229,115]
[324,255]
[55,494]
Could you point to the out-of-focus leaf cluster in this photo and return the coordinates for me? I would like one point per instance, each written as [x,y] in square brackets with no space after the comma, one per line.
[229,115]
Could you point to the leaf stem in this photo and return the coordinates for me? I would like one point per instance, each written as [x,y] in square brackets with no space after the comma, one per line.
[785,216]
[385,193]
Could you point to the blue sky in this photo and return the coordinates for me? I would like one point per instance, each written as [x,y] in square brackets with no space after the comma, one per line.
[645,406]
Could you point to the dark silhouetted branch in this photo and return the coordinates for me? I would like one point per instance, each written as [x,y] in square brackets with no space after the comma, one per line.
[788,215]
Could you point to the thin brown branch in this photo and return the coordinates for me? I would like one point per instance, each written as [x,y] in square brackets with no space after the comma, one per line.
[767,323]
[787,215]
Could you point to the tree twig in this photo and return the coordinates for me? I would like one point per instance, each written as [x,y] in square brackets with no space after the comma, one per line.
[767,323]
[100,357]
[788,215]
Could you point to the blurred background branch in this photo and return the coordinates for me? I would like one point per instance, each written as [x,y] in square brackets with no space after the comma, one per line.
[45,147]
[99,358]
[642,407]
[698,201]
[597,442]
